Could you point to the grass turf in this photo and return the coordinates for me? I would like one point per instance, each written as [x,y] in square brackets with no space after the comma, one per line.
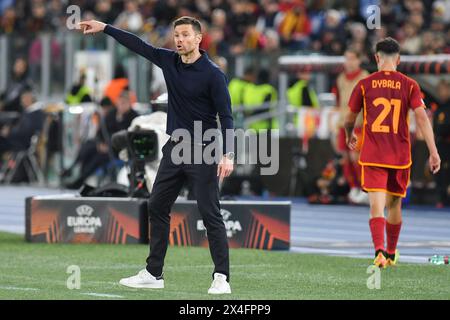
[38,271]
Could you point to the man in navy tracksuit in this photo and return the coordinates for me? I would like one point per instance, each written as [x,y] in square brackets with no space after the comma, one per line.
[197,91]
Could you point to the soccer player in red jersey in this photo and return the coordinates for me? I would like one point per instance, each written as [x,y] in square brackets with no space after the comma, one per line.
[385,97]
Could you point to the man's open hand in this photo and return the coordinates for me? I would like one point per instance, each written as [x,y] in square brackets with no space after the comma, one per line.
[92,26]
[225,168]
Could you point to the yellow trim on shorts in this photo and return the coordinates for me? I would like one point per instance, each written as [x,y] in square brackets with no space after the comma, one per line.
[385,191]
[403,195]
[381,165]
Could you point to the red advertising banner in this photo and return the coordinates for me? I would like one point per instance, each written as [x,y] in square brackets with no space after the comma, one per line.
[86,220]
[249,224]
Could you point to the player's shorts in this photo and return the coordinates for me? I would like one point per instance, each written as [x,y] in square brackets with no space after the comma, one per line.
[392,181]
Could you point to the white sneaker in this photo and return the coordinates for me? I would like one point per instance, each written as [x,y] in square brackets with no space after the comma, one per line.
[143,280]
[362,198]
[353,194]
[219,284]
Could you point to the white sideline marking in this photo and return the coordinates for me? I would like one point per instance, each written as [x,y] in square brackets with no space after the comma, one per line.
[18,288]
[207,266]
[104,295]
[343,254]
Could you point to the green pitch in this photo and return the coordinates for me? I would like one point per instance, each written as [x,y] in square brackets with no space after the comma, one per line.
[38,271]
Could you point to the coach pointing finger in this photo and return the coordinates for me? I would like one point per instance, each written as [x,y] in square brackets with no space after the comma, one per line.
[197,92]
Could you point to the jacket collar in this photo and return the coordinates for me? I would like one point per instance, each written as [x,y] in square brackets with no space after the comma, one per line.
[198,63]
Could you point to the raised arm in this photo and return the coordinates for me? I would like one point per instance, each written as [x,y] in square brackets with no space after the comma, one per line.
[129,40]
[424,125]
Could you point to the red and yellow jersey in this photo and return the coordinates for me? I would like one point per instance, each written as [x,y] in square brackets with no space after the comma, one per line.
[386,97]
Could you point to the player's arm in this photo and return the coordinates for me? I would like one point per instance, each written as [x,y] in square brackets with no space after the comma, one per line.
[349,125]
[127,39]
[424,125]
[354,108]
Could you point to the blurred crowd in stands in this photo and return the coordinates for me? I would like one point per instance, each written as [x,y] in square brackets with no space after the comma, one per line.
[236,26]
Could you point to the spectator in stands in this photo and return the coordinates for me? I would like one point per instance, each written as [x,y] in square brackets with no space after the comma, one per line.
[5,4]
[104,11]
[263,97]
[10,98]
[221,62]
[391,12]
[38,21]
[295,27]
[106,106]
[414,6]
[187,10]
[268,16]
[239,19]
[203,9]
[219,20]
[206,42]
[301,93]
[18,137]
[220,4]
[56,15]
[165,11]
[120,118]
[95,154]
[253,39]
[441,10]
[412,41]
[130,19]
[434,42]
[359,40]
[439,43]
[237,86]
[79,93]
[270,54]
[35,56]
[331,32]
[427,42]
[442,131]
[117,85]
[271,42]
[345,84]
[9,21]
[217,45]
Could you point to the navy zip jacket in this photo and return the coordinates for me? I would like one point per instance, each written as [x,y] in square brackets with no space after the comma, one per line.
[197,91]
